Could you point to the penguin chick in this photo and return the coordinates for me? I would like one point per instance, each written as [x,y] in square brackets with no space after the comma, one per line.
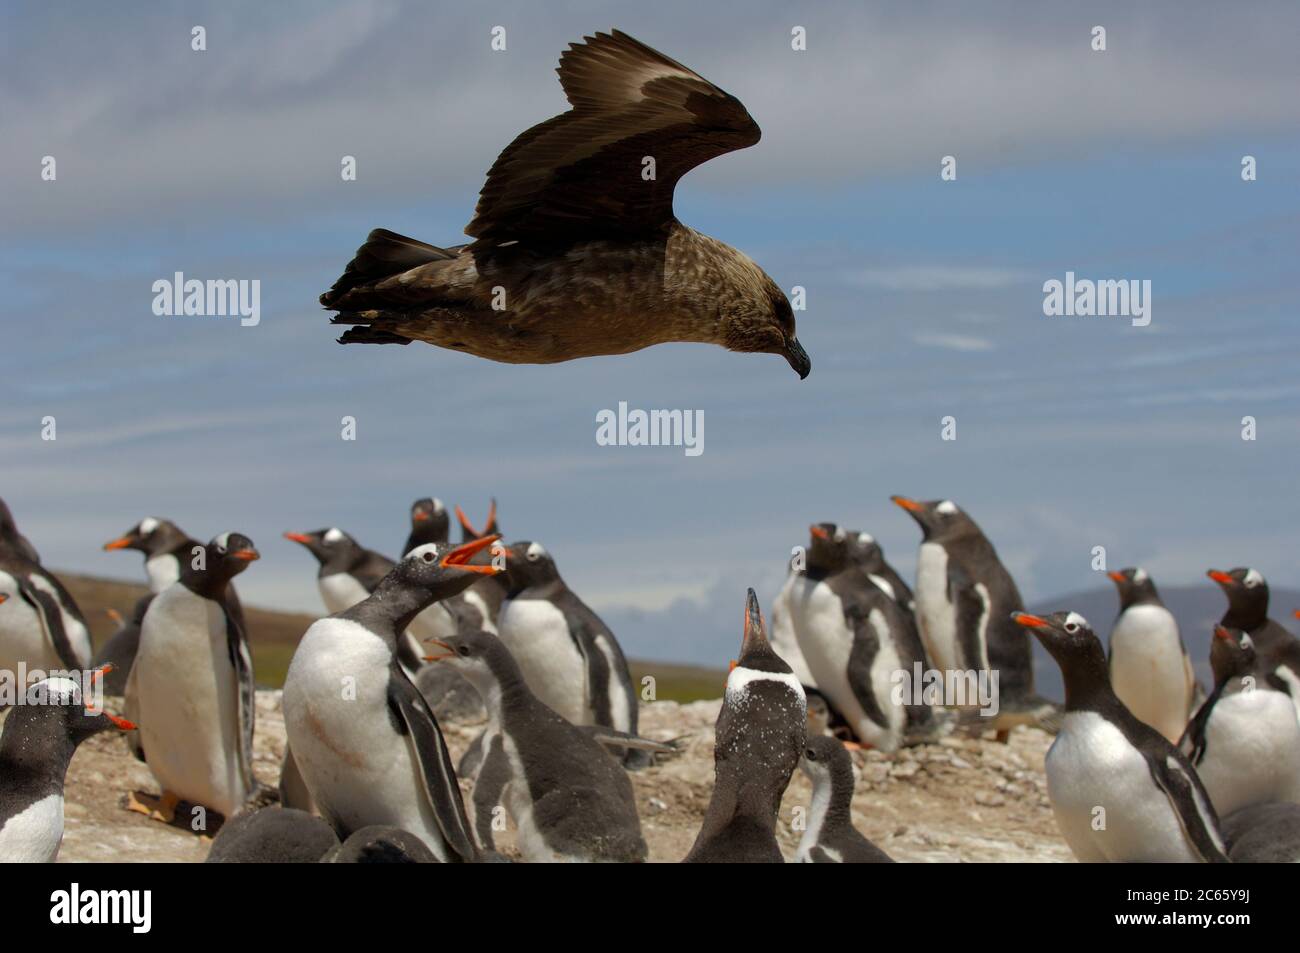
[830,837]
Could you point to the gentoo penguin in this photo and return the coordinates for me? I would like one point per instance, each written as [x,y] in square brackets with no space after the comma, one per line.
[366,744]
[166,549]
[570,800]
[569,657]
[870,559]
[1247,593]
[1120,791]
[272,835]
[119,651]
[848,631]
[830,837]
[12,538]
[39,738]
[584,261]
[1244,741]
[964,600]
[760,735]
[348,574]
[41,626]
[1264,834]
[192,687]
[1149,667]
[378,844]
[429,523]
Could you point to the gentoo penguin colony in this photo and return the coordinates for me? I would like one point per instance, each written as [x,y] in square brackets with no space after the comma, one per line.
[368,748]
[760,736]
[1149,666]
[1120,791]
[590,261]
[1278,649]
[1244,741]
[570,800]
[39,739]
[191,687]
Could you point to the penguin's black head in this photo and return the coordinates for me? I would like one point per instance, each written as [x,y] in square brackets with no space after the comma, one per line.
[1245,588]
[1232,654]
[446,569]
[938,519]
[823,756]
[327,544]
[230,553]
[150,536]
[865,551]
[1134,585]
[529,565]
[61,699]
[476,654]
[1067,636]
[429,521]
[828,549]
[467,530]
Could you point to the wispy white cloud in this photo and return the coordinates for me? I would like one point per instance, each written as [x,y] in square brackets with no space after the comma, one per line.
[955,342]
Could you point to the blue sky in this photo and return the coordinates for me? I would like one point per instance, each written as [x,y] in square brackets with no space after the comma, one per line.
[924,297]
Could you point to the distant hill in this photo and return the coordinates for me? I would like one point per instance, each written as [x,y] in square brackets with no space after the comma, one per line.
[1197,609]
[274,635]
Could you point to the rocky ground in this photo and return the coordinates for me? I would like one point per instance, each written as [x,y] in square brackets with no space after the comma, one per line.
[963,799]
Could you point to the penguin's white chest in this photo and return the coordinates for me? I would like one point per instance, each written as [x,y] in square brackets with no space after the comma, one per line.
[162,571]
[784,642]
[1106,803]
[1148,669]
[188,698]
[489,624]
[358,768]
[23,638]
[936,616]
[537,634]
[1252,751]
[33,835]
[340,591]
[827,641]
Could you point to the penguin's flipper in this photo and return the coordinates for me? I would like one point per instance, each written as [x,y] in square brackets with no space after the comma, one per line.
[47,608]
[612,738]
[863,652]
[434,763]
[972,608]
[1191,806]
[131,711]
[1192,743]
[237,646]
[493,776]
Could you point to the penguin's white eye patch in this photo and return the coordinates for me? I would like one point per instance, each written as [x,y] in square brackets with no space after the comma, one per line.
[535,552]
[222,542]
[147,526]
[839,535]
[1252,578]
[1074,622]
[1139,575]
[866,539]
[947,508]
[333,535]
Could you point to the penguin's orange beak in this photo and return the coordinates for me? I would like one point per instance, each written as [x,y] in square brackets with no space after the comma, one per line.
[1221,633]
[3,598]
[1029,621]
[1222,578]
[96,675]
[1117,576]
[461,555]
[120,543]
[121,723]
[465,524]
[419,516]
[818,532]
[912,506]
[247,555]
[1295,613]
[450,652]
[298,538]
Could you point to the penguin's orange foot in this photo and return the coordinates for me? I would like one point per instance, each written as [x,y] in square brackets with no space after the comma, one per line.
[161,808]
[854,746]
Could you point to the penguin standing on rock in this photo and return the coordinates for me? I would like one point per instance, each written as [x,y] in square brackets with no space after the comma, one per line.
[192,687]
[760,735]
[1278,649]
[1120,791]
[1149,666]
[964,600]
[849,632]
[166,547]
[1244,741]
[369,749]
[41,626]
[569,657]
[830,837]
[570,799]
[36,747]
